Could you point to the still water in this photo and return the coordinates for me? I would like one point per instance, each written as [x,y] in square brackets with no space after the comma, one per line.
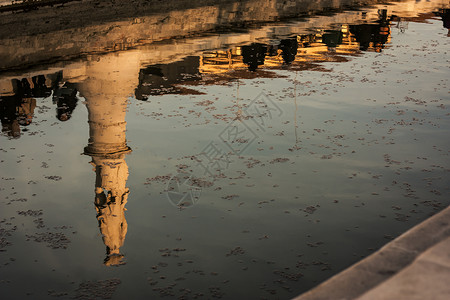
[249,162]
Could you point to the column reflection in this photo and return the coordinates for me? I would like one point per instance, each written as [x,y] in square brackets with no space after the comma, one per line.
[109,83]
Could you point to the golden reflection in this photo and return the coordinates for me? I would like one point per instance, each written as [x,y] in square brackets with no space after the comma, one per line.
[106,81]
[111,195]
[129,27]
[106,91]
[298,52]
[107,147]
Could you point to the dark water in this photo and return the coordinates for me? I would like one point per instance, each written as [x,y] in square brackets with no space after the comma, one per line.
[250,163]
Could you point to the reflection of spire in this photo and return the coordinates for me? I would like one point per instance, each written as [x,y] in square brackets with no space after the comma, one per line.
[107,147]
[110,198]
[106,91]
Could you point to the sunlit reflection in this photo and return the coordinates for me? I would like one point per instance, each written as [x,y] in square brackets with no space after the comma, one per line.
[106,92]
[279,144]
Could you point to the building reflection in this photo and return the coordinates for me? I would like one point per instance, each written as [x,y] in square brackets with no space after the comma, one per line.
[107,81]
[373,36]
[107,147]
[445,16]
[18,102]
[106,91]
[297,51]
[254,55]
[64,96]
[162,79]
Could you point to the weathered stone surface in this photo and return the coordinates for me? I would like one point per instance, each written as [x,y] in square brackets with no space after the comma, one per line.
[426,234]
[426,278]
[439,254]
[416,265]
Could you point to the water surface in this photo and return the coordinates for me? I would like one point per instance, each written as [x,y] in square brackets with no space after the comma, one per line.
[240,164]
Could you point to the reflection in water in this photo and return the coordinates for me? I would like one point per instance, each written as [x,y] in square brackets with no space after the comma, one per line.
[106,94]
[332,38]
[373,36]
[298,52]
[254,55]
[110,198]
[66,101]
[18,100]
[445,15]
[106,91]
[8,115]
[17,108]
[288,49]
[105,81]
[107,142]
[161,79]
[142,23]
[107,147]
[64,96]
[106,102]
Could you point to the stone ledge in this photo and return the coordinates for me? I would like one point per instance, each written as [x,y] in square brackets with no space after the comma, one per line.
[407,254]
[426,278]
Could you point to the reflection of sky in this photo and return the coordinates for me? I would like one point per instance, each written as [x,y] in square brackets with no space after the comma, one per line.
[214,226]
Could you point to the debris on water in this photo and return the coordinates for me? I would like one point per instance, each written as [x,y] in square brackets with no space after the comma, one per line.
[54,240]
[101,289]
[279,160]
[54,177]
[230,197]
[310,209]
[236,251]
[56,294]
[31,213]
[6,231]
[17,200]
[158,178]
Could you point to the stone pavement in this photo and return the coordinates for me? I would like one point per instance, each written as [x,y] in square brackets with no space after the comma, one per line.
[415,265]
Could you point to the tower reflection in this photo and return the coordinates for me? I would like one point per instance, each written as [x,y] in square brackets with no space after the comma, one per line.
[107,147]
[106,92]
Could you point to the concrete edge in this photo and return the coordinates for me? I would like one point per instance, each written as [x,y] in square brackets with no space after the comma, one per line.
[384,263]
[425,278]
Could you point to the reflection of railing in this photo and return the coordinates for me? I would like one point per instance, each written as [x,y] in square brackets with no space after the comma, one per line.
[299,52]
[311,48]
[28,4]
